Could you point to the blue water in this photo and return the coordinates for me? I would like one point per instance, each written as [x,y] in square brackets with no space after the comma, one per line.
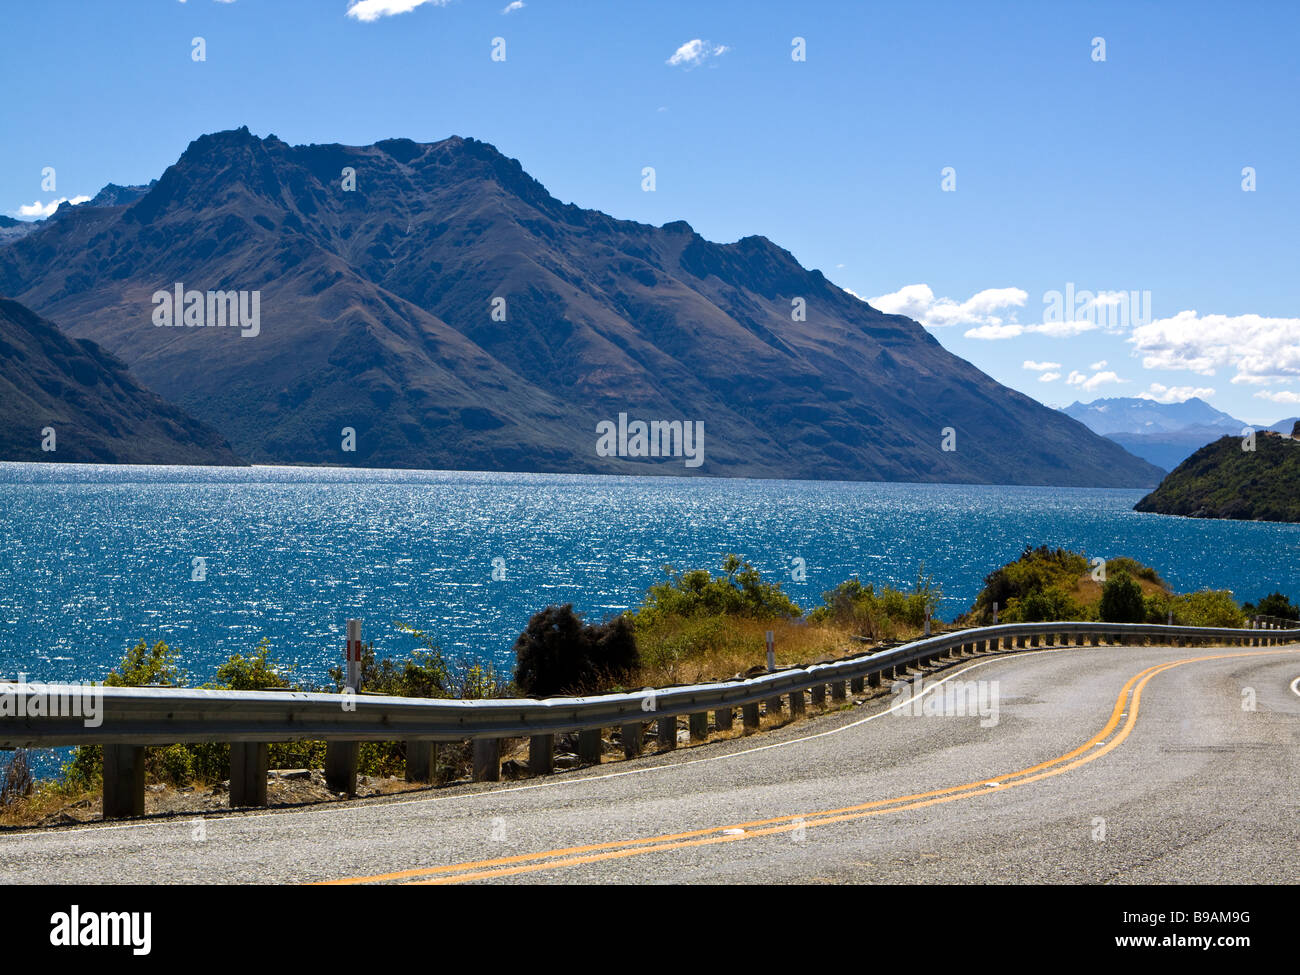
[94,558]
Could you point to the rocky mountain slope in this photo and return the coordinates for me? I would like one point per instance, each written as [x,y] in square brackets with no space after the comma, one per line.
[98,413]
[376,314]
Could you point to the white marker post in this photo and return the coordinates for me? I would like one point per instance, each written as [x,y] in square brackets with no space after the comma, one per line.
[341,757]
[771,652]
[352,655]
[927,622]
[995,614]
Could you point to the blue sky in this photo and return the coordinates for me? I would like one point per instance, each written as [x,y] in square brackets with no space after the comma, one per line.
[1122,175]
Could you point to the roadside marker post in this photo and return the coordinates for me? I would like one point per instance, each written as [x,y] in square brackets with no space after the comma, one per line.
[352,655]
[773,703]
[341,757]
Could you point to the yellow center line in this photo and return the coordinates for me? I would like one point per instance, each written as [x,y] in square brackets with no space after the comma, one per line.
[618,849]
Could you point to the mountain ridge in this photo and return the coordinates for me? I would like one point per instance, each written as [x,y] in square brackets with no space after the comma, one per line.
[377,315]
[95,409]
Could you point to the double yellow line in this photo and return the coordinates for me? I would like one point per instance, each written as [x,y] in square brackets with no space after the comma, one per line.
[1127,704]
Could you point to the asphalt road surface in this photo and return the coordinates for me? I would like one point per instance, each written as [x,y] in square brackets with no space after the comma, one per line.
[1104,765]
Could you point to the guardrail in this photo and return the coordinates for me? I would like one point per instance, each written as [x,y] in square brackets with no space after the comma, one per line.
[131,718]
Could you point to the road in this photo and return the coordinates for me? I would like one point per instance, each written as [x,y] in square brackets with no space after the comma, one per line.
[1105,765]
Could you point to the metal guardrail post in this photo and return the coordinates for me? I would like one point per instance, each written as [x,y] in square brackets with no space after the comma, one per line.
[248,768]
[589,747]
[421,760]
[123,781]
[667,732]
[486,759]
[632,737]
[724,718]
[341,765]
[796,703]
[699,725]
[749,712]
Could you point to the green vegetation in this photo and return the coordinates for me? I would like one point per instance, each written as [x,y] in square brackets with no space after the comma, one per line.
[1121,600]
[881,614]
[1056,584]
[1221,480]
[1274,604]
[558,653]
[426,673]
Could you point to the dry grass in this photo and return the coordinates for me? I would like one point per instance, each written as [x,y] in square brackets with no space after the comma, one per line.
[718,648]
[47,799]
[1087,592]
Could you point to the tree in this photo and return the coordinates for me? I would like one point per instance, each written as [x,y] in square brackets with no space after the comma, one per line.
[1121,600]
[558,652]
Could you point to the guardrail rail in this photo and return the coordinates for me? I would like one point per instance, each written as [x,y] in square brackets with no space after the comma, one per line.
[131,718]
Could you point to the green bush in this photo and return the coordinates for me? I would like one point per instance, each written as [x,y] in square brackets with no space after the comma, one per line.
[1209,607]
[255,673]
[1042,605]
[878,614]
[559,653]
[1122,600]
[145,666]
[1274,604]
[1037,570]
[738,591]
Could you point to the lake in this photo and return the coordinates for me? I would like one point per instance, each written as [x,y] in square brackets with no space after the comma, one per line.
[94,558]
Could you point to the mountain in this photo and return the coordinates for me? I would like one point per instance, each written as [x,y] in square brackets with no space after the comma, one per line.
[1163,433]
[1223,480]
[11,229]
[98,412]
[1285,426]
[376,314]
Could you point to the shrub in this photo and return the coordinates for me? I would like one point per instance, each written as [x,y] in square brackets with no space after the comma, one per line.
[1036,570]
[1274,604]
[255,673]
[1121,600]
[559,653]
[738,591]
[1135,569]
[878,614]
[1209,607]
[145,666]
[1042,605]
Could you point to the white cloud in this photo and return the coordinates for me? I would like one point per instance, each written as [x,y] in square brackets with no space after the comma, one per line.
[371,10]
[1089,383]
[994,332]
[1258,348]
[513,6]
[1098,365]
[39,209]
[1064,330]
[1040,366]
[1279,396]
[918,301]
[1175,394]
[1049,377]
[695,52]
